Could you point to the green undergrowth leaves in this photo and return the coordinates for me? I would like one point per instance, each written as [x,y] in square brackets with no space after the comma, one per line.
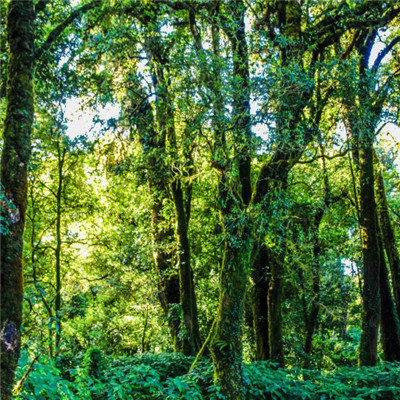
[94,376]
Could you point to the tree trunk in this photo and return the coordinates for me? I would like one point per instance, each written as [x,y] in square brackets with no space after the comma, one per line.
[226,345]
[176,292]
[14,165]
[261,282]
[368,210]
[33,208]
[275,311]
[162,232]
[167,279]
[390,329]
[388,237]
[371,293]
[61,158]
[273,175]
[312,318]
[191,341]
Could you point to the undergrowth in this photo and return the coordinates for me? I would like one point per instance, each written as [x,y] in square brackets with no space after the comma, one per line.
[165,376]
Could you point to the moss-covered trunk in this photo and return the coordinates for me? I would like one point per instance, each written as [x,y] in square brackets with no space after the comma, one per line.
[234,196]
[272,179]
[226,345]
[14,165]
[390,329]
[370,247]
[161,141]
[367,206]
[388,237]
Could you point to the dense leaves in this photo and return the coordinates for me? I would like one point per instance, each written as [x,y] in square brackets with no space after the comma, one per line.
[165,376]
[212,208]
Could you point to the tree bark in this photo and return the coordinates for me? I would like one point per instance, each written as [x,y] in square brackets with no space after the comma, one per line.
[14,165]
[371,292]
[261,282]
[226,345]
[275,311]
[368,209]
[388,237]
[191,341]
[312,318]
[390,329]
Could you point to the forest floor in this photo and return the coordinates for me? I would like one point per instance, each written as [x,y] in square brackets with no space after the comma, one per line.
[165,377]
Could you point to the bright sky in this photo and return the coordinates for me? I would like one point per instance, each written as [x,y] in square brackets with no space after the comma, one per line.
[80,121]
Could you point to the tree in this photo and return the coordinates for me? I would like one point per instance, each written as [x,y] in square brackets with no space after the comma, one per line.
[14,167]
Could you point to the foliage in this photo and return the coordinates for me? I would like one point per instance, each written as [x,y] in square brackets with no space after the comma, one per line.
[165,376]
[226,182]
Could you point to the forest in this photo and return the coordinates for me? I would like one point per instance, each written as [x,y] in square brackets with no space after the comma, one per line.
[200,199]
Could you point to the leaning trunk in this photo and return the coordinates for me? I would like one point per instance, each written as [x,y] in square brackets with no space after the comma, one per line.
[14,165]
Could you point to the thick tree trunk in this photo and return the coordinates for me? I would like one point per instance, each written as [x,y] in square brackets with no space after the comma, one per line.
[272,178]
[241,98]
[371,292]
[166,126]
[368,210]
[388,237]
[226,345]
[390,329]
[14,165]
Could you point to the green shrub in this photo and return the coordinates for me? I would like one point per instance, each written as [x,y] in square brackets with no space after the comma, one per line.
[94,362]
[165,377]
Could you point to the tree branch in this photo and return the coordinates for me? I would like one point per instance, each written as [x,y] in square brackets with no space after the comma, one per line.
[383,53]
[58,30]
